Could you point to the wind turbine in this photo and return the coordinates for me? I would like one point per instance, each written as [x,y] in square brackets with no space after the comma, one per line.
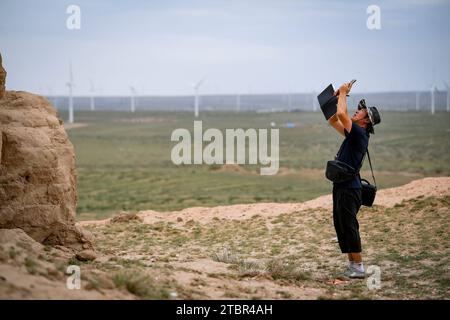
[433,91]
[196,87]
[417,100]
[447,87]
[238,102]
[70,85]
[132,99]
[92,89]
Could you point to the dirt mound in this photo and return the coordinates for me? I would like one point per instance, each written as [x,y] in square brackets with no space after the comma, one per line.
[386,197]
[37,172]
[426,187]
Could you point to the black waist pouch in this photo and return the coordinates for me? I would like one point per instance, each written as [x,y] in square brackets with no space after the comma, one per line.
[338,171]
[368,193]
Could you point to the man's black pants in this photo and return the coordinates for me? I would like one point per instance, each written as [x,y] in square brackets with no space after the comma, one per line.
[346,204]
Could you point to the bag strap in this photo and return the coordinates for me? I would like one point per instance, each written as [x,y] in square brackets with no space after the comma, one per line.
[370,164]
[339,151]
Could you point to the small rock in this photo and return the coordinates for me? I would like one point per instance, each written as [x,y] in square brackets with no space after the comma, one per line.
[179,219]
[85,246]
[86,255]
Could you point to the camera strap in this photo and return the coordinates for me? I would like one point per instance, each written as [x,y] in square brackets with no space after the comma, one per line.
[370,164]
[371,170]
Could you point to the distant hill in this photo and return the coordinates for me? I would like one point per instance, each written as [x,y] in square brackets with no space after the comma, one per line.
[400,101]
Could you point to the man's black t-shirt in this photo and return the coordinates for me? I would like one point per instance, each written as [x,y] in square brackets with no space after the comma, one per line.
[352,152]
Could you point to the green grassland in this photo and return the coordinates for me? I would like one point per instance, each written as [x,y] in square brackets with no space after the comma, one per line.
[123,159]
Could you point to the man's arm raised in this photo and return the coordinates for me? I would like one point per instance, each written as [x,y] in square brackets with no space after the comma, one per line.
[342,113]
[336,124]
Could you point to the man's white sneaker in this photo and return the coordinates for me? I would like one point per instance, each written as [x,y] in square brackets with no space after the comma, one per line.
[352,273]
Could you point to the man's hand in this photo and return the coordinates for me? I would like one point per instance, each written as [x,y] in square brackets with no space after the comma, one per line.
[344,89]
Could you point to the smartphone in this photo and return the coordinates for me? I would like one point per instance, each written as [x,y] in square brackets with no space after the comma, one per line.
[351,83]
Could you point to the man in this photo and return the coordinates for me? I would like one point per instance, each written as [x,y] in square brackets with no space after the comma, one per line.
[347,195]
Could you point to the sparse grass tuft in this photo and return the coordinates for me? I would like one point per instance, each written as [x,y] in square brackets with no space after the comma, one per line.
[224,255]
[251,268]
[30,265]
[12,252]
[279,270]
[139,284]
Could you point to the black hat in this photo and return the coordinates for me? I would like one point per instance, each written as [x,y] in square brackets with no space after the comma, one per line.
[374,117]
[372,112]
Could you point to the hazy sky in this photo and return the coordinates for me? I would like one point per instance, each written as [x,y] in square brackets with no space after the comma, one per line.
[263,46]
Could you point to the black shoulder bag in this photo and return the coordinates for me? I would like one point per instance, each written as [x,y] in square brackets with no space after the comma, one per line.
[338,171]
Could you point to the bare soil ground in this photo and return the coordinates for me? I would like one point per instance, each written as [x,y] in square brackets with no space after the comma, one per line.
[257,251]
